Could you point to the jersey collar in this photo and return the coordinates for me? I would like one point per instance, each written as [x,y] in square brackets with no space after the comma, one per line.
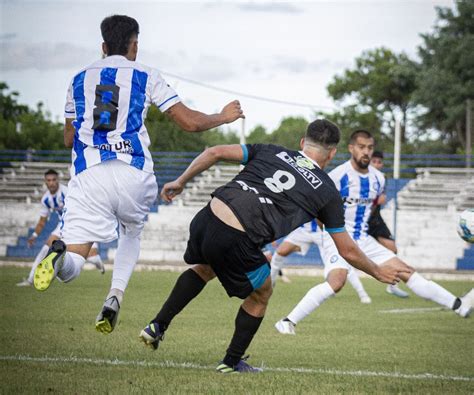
[307,157]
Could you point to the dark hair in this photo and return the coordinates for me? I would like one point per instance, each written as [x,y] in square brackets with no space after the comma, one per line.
[117,31]
[377,154]
[51,172]
[359,133]
[323,132]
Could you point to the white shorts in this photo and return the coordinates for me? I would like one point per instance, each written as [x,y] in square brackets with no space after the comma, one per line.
[369,246]
[57,232]
[303,239]
[104,196]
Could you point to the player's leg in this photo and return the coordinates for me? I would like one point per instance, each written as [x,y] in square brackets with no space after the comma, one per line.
[432,291]
[386,240]
[316,296]
[95,259]
[131,194]
[247,322]
[278,259]
[354,280]
[189,285]
[89,214]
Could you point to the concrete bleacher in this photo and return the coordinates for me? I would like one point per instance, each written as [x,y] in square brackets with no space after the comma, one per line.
[427,214]
[438,188]
[427,218]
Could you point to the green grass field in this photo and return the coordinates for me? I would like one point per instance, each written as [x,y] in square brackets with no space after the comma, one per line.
[49,344]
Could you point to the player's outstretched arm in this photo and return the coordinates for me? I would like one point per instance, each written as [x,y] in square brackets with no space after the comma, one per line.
[38,228]
[230,153]
[349,250]
[196,121]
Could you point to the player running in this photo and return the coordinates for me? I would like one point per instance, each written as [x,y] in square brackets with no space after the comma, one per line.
[113,183]
[359,185]
[53,201]
[299,241]
[278,190]
[378,229]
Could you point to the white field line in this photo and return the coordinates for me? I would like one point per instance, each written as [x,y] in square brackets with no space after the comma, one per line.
[190,365]
[412,310]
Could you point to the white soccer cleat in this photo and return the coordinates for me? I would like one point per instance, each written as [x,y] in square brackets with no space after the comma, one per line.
[24,283]
[395,291]
[285,327]
[365,299]
[467,303]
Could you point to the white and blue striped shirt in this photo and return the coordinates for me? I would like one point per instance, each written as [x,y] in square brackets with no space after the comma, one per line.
[53,202]
[109,101]
[311,226]
[358,192]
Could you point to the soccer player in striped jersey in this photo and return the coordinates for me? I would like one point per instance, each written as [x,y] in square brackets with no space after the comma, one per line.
[300,241]
[359,185]
[53,201]
[113,183]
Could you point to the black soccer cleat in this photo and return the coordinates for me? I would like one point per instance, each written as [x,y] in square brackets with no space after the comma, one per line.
[151,335]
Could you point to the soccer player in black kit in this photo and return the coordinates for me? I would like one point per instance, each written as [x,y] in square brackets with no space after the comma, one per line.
[278,190]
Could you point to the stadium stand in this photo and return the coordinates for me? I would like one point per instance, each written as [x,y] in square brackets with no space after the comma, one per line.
[426,204]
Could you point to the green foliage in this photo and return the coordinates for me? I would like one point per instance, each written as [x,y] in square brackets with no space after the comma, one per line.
[24,128]
[382,82]
[337,343]
[446,78]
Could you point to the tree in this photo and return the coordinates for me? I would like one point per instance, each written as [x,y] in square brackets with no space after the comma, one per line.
[289,133]
[23,128]
[351,118]
[382,83]
[446,78]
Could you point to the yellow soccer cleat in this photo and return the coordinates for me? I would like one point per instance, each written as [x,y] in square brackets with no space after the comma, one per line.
[107,318]
[48,268]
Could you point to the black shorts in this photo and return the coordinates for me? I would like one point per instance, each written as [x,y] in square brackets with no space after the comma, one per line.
[378,227]
[237,261]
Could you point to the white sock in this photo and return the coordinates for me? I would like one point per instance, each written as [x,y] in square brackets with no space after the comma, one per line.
[277,263]
[314,297]
[354,279]
[117,293]
[126,257]
[72,267]
[430,290]
[44,250]
[94,259]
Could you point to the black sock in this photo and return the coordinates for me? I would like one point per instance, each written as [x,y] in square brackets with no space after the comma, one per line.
[187,287]
[246,326]
[457,304]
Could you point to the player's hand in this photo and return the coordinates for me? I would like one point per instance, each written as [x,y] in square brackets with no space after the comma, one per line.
[390,272]
[232,111]
[171,190]
[31,241]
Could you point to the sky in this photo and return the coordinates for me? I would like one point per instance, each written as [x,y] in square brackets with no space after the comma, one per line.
[281,51]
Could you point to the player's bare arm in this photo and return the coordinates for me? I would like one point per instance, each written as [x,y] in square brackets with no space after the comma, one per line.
[349,250]
[230,153]
[68,132]
[38,228]
[196,121]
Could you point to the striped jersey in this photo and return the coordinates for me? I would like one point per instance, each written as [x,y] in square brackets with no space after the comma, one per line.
[311,226]
[53,202]
[358,193]
[109,101]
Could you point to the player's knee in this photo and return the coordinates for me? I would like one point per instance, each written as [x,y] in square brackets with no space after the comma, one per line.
[205,272]
[337,280]
[262,295]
